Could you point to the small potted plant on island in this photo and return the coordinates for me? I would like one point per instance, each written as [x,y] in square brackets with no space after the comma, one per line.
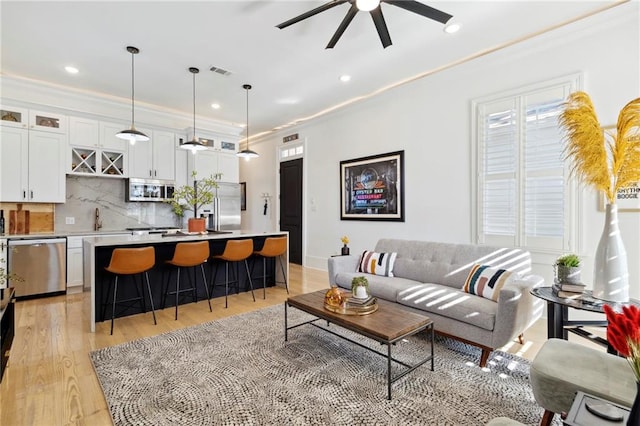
[190,197]
[360,287]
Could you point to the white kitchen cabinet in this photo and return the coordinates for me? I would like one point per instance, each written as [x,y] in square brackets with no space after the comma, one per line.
[181,161]
[33,120]
[32,166]
[155,158]
[94,150]
[212,162]
[75,271]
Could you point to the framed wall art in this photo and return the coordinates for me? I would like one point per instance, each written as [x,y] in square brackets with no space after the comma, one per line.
[372,188]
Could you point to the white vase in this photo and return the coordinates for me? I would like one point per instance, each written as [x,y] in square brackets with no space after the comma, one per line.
[611,275]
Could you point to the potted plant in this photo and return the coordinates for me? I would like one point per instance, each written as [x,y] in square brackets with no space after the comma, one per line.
[345,247]
[191,197]
[360,287]
[568,269]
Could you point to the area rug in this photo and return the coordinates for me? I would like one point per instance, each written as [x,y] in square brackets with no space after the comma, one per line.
[239,370]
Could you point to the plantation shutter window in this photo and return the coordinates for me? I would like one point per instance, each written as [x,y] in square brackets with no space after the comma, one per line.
[523,197]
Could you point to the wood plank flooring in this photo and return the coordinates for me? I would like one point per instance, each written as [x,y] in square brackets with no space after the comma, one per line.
[50,379]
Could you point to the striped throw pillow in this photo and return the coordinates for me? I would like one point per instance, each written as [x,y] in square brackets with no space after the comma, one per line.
[377,263]
[486,281]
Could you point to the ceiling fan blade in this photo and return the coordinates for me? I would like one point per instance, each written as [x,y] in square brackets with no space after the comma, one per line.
[310,13]
[421,9]
[381,26]
[343,26]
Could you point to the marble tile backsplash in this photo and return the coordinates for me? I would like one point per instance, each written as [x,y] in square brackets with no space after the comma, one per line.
[85,194]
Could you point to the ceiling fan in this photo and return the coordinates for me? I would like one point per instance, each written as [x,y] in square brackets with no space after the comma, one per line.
[373,7]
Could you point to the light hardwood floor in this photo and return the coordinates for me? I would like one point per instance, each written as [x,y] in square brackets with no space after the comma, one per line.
[50,380]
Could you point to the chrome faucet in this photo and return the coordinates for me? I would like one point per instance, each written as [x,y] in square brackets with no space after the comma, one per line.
[97,223]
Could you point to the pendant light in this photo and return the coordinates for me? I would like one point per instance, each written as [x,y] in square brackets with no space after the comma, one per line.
[194,145]
[132,135]
[247,153]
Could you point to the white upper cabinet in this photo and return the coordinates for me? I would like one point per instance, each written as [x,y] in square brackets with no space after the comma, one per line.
[33,120]
[155,158]
[209,162]
[32,166]
[94,149]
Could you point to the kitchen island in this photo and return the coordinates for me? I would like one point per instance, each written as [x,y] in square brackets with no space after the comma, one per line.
[97,254]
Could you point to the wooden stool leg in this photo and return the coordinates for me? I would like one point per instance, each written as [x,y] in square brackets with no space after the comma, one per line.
[547,418]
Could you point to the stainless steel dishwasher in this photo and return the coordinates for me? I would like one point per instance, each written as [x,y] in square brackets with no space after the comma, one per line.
[41,264]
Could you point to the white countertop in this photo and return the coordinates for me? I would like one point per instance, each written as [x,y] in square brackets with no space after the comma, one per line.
[119,240]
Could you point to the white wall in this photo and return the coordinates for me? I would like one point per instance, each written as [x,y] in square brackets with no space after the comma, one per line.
[430,120]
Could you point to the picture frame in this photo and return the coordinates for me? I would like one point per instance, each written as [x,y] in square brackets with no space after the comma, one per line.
[243,196]
[627,199]
[372,188]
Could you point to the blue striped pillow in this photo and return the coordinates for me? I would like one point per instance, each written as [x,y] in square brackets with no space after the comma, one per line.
[377,263]
[486,281]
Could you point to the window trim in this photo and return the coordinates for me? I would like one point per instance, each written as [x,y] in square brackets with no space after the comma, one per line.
[573,219]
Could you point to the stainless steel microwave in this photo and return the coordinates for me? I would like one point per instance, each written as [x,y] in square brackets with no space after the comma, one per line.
[148,189]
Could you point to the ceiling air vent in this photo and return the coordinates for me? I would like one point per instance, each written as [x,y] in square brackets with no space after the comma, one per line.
[220,71]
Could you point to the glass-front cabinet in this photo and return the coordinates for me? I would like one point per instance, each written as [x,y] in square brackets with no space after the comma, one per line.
[33,120]
[94,149]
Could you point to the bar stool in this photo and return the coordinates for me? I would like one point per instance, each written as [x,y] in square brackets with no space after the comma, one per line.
[273,247]
[130,262]
[188,255]
[234,251]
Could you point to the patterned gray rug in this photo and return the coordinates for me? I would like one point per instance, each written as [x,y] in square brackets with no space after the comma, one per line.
[238,370]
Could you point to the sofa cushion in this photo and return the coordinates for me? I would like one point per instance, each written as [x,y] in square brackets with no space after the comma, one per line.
[449,264]
[486,281]
[385,288]
[451,303]
[377,263]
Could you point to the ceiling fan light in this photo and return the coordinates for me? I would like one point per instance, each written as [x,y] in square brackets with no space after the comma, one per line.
[452,27]
[367,5]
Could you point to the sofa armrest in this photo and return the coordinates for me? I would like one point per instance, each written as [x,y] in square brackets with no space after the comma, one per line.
[517,310]
[340,264]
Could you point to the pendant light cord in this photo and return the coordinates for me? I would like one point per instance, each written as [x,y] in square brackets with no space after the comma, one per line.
[194,106]
[247,118]
[132,90]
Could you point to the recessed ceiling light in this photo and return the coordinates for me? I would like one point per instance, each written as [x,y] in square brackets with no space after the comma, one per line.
[452,27]
[215,106]
[71,70]
[345,78]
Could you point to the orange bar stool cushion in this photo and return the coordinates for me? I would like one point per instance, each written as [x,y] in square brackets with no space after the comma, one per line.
[273,247]
[190,254]
[236,250]
[129,261]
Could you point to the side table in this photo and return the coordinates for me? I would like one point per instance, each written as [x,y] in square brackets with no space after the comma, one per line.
[579,415]
[558,324]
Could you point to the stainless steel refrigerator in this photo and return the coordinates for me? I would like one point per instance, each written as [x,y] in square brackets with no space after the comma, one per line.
[224,213]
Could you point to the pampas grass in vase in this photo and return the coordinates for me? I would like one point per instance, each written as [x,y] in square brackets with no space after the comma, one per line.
[608,162]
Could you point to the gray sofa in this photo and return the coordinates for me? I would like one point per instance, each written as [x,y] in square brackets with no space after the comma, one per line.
[429,276]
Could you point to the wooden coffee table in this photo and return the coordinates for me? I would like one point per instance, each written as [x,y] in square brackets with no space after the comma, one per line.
[390,324]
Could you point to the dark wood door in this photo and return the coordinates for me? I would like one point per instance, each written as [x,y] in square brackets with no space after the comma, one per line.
[291,206]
